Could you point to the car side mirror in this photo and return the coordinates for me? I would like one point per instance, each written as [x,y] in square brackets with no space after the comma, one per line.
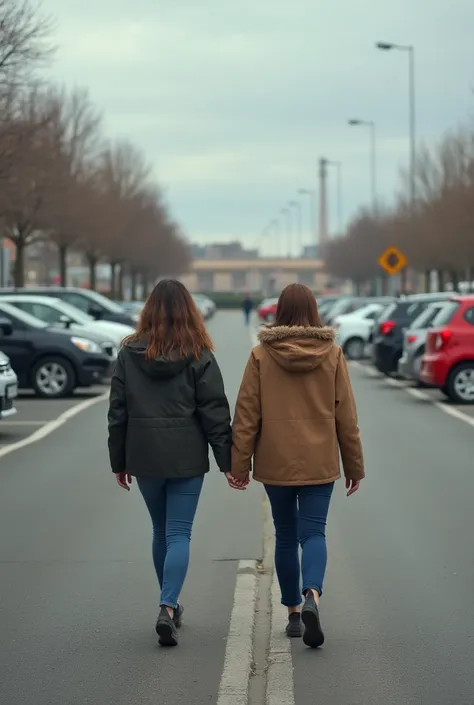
[6,326]
[66,320]
[95,312]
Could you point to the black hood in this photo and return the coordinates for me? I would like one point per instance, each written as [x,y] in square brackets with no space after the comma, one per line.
[160,368]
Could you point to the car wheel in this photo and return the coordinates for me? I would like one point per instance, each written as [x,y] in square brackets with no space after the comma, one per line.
[354,349]
[53,378]
[460,386]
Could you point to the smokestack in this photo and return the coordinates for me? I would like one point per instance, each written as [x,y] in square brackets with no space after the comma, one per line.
[323,219]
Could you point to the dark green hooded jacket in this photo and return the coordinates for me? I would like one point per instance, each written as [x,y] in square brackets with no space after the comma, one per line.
[164,414]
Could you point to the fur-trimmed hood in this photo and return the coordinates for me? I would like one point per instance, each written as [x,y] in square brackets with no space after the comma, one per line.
[298,348]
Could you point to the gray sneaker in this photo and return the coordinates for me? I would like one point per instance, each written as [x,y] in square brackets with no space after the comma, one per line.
[293,628]
[166,629]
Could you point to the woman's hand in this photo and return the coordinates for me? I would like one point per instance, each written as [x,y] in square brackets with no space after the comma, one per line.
[124,480]
[352,486]
[236,484]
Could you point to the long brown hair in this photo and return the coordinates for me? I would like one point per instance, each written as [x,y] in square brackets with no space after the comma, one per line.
[297,307]
[170,321]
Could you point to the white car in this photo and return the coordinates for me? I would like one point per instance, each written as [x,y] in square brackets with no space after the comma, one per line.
[59,313]
[353,329]
[8,387]
[206,306]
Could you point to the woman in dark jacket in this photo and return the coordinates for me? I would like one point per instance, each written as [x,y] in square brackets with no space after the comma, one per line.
[167,403]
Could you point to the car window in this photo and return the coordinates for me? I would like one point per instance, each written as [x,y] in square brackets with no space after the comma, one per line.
[426,317]
[80,302]
[469,315]
[446,314]
[41,311]
[20,319]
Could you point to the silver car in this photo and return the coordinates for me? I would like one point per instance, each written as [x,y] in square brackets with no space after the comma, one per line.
[414,339]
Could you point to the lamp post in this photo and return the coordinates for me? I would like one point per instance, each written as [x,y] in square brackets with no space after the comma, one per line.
[373,158]
[338,166]
[313,209]
[297,207]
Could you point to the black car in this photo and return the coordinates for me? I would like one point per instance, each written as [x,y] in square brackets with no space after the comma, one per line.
[50,360]
[387,343]
[90,302]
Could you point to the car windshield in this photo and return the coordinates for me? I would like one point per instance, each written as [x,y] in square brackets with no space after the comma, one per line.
[75,314]
[10,311]
[426,317]
[103,301]
[445,315]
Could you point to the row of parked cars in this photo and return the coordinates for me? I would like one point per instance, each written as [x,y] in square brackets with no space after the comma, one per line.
[424,338]
[54,340]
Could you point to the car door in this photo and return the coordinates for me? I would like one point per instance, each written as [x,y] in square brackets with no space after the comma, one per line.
[19,346]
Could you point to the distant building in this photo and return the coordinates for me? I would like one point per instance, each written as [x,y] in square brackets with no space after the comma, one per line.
[223,251]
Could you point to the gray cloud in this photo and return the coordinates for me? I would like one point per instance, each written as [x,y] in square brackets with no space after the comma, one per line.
[235,102]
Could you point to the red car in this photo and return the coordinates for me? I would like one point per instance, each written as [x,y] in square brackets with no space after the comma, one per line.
[448,362]
[267,310]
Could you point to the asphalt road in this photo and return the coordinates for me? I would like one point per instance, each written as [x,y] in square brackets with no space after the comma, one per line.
[34,413]
[78,597]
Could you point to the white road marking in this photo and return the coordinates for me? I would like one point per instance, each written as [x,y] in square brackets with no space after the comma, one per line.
[238,662]
[280,664]
[416,393]
[53,425]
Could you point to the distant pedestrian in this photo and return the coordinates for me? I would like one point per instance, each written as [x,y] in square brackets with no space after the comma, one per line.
[247,308]
[167,402]
[295,411]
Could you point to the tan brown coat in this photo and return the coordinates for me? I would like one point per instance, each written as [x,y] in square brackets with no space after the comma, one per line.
[296,410]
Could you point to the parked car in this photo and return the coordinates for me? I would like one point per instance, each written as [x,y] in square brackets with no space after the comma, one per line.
[133,307]
[8,378]
[51,361]
[266,310]
[347,304]
[448,362]
[414,339]
[387,343]
[62,315]
[205,305]
[87,301]
[353,330]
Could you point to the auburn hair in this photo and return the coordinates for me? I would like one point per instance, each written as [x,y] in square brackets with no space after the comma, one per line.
[170,321]
[297,307]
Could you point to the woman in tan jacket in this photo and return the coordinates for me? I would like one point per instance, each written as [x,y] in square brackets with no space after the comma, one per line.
[295,411]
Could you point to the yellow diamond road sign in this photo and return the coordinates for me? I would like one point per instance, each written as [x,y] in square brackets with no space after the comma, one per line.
[392,261]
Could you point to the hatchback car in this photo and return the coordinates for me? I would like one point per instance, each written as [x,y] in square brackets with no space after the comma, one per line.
[267,310]
[448,362]
[8,381]
[387,344]
[353,330]
[88,301]
[51,361]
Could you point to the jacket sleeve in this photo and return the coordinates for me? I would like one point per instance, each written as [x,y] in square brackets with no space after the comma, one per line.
[213,411]
[247,421]
[347,428]
[117,418]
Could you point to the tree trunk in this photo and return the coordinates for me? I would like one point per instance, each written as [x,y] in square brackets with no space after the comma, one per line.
[113,279]
[19,270]
[145,286]
[441,283]
[427,281]
[92,260]
[120,282]
[133,285]
[455,280]
[62,257]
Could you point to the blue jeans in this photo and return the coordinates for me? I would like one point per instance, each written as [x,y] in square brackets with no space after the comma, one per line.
[299,515]
[172,505]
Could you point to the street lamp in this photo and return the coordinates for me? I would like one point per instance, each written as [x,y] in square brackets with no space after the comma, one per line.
[297,206]
[373,168]
[338,166]
[388,46]
[313,210]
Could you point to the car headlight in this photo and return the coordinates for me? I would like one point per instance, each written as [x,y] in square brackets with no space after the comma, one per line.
[86,345]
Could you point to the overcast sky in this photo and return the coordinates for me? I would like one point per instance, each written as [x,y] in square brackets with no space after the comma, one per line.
[234,102]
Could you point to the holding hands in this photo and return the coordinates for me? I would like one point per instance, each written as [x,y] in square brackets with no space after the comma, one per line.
[235,483]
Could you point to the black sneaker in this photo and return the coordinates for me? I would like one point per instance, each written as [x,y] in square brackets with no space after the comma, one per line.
[293,628]
[166,629]
[178,616]
[313,634]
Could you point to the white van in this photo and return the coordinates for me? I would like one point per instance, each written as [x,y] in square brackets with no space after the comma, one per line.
[8,387]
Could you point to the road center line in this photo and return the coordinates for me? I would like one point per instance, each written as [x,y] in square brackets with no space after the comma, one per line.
[238,662]
[51,426]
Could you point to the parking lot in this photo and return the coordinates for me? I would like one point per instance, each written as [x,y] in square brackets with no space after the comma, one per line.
[423,395]
[34,413]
